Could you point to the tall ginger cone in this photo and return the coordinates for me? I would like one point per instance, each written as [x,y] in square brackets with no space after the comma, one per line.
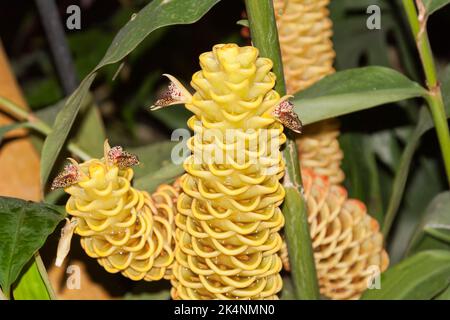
[305,31]
[348,247]
[347,243]
[127,230]
[228,217]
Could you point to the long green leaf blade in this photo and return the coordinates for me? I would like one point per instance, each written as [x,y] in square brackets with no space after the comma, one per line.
[419,277]
[31,285]
[156,14]
[24,227]
[436,221]
[353,90]
[432,6]
[61,128]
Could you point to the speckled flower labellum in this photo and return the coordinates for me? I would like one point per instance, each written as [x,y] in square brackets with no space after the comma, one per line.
[126,229]
[175,94]
[285,113]
[121,158]
[67,177]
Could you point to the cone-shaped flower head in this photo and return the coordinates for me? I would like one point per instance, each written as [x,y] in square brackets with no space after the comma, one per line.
[305,31]
[125,229]
[228,213]
[348,246]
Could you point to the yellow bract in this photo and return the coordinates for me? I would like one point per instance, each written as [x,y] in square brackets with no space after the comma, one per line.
[125,229]
[348,247]
[228,213]
[347,243]
[305,31]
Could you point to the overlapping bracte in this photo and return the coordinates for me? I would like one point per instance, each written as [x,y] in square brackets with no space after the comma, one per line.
[347,242]
[348,247]
[228,213]
[305,31]
[125,229]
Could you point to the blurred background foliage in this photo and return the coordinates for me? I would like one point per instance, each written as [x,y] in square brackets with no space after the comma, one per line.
[372,140]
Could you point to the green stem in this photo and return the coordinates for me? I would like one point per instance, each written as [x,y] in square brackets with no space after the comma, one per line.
[418,25]
[38,125]
[440,121]
[265,37]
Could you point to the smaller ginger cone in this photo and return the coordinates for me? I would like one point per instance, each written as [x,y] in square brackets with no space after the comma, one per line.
[304,32]
[125,229]
[319,150]
[347,243]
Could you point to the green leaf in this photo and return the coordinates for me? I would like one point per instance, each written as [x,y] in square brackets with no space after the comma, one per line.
[355,44]
[64,121]
[166,174]
[432,6]
[387,147]
[416,199]
[419,277]
[152,157]
[436,221]
[90,134]
[424,124]
[359,165]
[156,14]
[5,129]
[444,295]
[353,90]
[33,284]
[156,166]
[24,227]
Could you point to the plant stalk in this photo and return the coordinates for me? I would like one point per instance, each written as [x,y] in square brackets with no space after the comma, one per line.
[38,125]
[264,35]
[418,24]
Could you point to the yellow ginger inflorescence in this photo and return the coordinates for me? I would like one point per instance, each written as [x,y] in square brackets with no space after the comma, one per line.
[305,32]
[228,217]
[347,243]
[125,229]
[319,150]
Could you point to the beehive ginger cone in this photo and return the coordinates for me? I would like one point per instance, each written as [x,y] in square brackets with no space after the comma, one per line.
[319,150]
[305,31]
[347,242]
[127,230]
[228,217]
